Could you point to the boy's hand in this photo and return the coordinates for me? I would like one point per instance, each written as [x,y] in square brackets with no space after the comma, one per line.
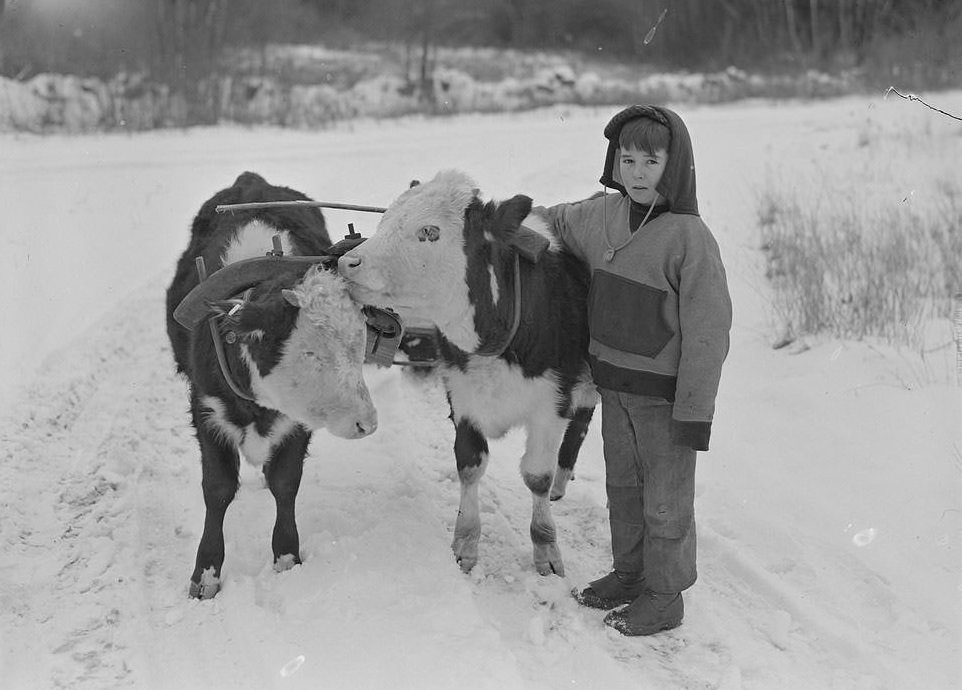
[694,435]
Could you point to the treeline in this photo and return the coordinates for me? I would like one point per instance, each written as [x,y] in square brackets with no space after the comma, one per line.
[693,34]
[186,44]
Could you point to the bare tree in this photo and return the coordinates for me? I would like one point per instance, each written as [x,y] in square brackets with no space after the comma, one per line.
[425,25]
[189,41]
[813,17]
[2,5]
[791,26]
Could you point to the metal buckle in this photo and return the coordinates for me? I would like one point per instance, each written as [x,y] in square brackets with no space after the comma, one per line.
[384,332]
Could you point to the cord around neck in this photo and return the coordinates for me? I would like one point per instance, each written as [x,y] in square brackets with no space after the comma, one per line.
[611,250]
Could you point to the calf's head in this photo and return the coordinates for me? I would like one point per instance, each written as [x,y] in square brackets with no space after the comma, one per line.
[433,254]
[304,347]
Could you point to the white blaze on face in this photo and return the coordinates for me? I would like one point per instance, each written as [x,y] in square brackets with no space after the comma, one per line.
[318,380]
[415,262]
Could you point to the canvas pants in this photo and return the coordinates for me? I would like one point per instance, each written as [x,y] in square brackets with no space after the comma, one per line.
[651,491]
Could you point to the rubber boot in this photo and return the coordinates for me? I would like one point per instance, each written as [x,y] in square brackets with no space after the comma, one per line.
[648,614]
[614,589]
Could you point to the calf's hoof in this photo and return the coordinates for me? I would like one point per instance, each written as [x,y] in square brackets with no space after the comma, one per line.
[208,586]
[285,562]
[465,553]
[466,564]
[547,560]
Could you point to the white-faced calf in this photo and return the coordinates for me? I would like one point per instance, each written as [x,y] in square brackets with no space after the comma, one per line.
[514,335]
[292,347]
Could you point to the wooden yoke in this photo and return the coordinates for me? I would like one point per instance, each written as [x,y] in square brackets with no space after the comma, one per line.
[531,245]
[235,278]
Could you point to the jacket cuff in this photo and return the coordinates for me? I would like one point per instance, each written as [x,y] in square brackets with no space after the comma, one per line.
[694,435]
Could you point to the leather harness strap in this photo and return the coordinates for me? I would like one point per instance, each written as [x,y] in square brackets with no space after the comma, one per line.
[225,369]
[516,317]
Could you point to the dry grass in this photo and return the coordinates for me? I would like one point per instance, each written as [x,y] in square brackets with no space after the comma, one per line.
[855,272]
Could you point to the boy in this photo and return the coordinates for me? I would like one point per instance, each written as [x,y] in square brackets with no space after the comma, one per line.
[659,315]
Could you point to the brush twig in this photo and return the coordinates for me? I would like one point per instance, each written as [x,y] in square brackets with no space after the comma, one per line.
[913,97]
[310,204]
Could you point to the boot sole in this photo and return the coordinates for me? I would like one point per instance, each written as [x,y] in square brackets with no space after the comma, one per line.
[625,628]
[603,604]
[596,601]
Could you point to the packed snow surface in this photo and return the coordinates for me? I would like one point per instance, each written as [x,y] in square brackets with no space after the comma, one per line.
[829,508]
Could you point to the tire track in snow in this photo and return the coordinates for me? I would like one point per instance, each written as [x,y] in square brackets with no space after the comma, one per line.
[85,439]
[106,505]
[772,606]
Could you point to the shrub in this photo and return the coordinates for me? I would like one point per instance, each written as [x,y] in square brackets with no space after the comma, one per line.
[853,272]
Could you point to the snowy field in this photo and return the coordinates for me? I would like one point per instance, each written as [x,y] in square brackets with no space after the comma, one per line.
[829,508]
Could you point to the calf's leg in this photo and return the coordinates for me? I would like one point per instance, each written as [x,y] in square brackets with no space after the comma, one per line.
[537,469]
[283,474]
[568,453]
[471,455]
[219,462]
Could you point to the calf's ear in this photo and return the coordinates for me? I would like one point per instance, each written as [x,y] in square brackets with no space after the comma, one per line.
[510,213]
[291,297]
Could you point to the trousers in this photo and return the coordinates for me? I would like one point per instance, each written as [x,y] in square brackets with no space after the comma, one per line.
[651,491]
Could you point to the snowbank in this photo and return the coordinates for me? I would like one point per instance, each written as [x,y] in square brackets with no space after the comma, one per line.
[67,103]
[52,102]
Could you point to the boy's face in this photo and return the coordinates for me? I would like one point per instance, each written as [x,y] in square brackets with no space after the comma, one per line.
[641,172]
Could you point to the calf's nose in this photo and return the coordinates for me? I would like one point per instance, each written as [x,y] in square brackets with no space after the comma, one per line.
[366,428]
[365,423]
[348,262]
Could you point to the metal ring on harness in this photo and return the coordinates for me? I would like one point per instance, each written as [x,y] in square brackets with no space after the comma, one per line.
[384,333]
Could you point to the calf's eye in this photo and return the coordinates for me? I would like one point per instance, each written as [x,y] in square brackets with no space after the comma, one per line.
[429,233]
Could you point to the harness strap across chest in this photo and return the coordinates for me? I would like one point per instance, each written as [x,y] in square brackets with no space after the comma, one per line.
[231,337]
[498,349]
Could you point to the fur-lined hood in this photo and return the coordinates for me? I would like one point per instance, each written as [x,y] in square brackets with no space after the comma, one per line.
[678,181]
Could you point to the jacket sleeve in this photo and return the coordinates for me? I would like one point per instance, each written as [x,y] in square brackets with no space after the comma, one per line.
[705,318]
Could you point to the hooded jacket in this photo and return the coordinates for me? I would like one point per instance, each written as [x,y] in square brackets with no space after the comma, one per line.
[659,310]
